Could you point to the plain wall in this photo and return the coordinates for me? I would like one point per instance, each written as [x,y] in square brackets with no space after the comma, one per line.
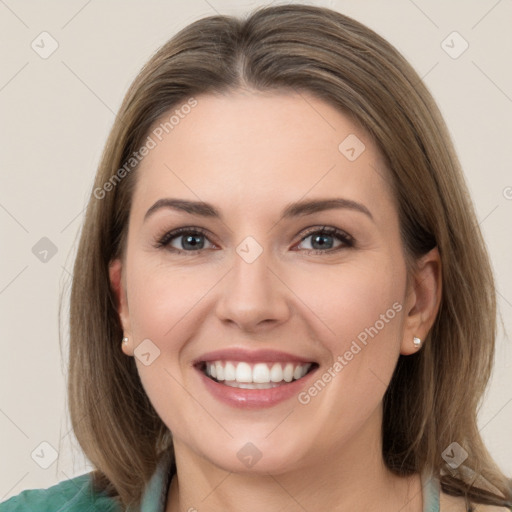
[55,116]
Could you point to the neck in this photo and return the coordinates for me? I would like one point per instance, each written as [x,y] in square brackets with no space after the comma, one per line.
[351,477]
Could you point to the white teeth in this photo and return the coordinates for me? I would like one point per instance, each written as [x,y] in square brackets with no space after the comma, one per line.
[243,373]
[260,373]
[252,385]
[276,373]
[219,370]
[288,372]
[257,376]
[229,371]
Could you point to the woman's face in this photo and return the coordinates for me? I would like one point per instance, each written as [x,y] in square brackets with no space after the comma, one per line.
[259,293]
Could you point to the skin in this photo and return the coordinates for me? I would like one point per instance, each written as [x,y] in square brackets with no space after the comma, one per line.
[250,154]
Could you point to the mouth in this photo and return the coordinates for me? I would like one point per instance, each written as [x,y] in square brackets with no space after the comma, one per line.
[255,375]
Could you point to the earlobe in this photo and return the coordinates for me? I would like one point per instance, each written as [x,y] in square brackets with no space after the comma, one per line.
[118,288]
[422,301]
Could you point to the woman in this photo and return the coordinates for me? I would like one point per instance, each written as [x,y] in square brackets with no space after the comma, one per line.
[281,236]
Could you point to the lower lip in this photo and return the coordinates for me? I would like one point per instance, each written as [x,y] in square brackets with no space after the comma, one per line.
[255,398]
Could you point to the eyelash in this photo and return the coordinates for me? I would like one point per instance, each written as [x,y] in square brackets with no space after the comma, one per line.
[164,241]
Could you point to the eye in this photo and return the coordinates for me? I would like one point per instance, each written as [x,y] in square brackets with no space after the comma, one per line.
[192,240]
[321,238]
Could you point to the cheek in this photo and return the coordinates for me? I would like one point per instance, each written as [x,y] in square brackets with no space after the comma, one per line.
[365,314]
[361,311]
[362,307]
[354,301]
[166,307]
[160,303]
[161,296]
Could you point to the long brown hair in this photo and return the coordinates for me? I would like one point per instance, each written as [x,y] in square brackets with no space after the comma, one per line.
[433,396]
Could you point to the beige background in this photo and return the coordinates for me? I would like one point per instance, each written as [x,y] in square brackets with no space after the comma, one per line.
[55,116]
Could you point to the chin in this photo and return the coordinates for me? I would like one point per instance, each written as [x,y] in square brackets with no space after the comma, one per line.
[258,457]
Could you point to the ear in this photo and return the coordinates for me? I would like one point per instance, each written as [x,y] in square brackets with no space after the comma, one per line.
[422,300]
[117,283]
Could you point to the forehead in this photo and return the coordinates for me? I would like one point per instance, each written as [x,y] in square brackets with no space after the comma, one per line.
[252,149]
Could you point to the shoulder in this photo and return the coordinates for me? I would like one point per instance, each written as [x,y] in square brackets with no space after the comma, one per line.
[450,503]
[73,495]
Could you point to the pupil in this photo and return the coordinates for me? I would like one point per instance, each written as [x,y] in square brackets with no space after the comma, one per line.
[322,244]
[192,239]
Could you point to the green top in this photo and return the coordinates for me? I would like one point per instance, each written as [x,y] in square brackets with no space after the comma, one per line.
[75,495]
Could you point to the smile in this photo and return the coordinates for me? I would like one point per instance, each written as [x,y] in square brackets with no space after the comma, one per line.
[258,375]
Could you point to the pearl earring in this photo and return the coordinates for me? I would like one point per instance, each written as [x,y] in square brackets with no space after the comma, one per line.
[125,340]
[417,342]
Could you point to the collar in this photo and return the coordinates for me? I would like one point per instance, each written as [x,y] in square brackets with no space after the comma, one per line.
[154,498]
[431,491]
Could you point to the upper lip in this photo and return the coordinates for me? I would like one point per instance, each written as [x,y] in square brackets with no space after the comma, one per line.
[240,354]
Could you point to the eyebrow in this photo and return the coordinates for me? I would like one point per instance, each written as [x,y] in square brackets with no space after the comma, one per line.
[297,209]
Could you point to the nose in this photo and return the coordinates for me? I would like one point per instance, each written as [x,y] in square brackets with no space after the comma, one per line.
[254,297]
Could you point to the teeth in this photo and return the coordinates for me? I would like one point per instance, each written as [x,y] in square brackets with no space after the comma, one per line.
[288,372]
[276,373]
[229,371]
[256,376]
[252,385]
[243,373]
[260,373]
[219,370]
